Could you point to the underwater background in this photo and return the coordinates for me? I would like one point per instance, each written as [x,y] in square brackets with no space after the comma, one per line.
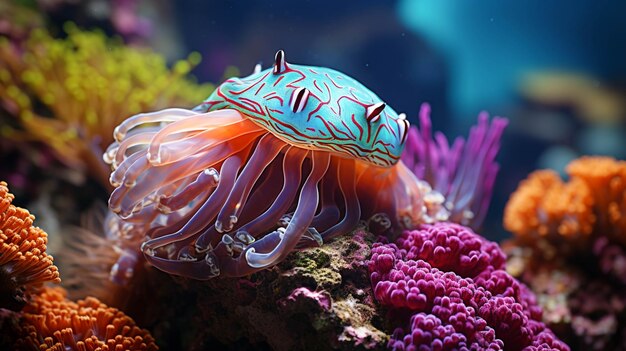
[71,71]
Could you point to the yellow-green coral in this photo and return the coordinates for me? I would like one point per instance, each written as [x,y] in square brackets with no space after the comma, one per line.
[71,93]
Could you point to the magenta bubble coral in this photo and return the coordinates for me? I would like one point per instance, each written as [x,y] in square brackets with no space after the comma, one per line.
[446,287]
[462,174]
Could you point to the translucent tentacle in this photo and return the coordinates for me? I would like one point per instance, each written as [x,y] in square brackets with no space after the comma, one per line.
[202,121]
[329,212]
[403,196]
[119,194]
[117,176]
[205,182]
[262,196]
[206,212]
[202,269]
[177,150]
[266,150]
[143,183]
[207,238]
[347,184]
[292,171]
[131,141]
[167,115]
[307,204]
[264,193]
[112,154]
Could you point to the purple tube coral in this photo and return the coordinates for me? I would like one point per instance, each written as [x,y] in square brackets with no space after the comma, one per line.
[446,287]
[464,172]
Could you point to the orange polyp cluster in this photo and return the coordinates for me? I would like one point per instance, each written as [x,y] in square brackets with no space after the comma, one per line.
[606,177]
[24,262]
[593,200]
[53,323]
[544,205]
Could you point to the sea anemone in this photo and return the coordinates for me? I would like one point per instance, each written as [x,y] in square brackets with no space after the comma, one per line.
[24,263]
[286,158]
[70,93]
[51,322]
[461,174]
[445,288]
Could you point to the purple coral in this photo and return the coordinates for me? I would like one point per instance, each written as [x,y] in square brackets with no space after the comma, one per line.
[451,284]
[464,172]
[320,299]
[452,247]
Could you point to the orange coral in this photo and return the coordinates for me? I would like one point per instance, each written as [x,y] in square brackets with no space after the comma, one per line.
[52,322]
[593,201]
[24,262]
[607,178]
[543,205]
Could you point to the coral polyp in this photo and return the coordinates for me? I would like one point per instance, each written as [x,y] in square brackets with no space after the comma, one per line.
[24,263]
[53,323]
[286,158]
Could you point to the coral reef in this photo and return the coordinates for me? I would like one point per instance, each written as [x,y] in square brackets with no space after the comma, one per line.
[53,323]
[69,94]
[445,288]
[317,299]
[24,263]
[44,319]
[462,175]
[570,248]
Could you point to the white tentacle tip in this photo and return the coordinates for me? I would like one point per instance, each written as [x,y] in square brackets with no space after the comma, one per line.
[118,134]
[154,159]
[114,182]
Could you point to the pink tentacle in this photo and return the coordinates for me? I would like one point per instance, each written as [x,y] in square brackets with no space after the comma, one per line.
[292,171]
[329,212]
[144,183]
[266,150]
[206,212]
[181,148]
[347,184]
[307,204]
[206,181]
[167,115]
[198,122]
